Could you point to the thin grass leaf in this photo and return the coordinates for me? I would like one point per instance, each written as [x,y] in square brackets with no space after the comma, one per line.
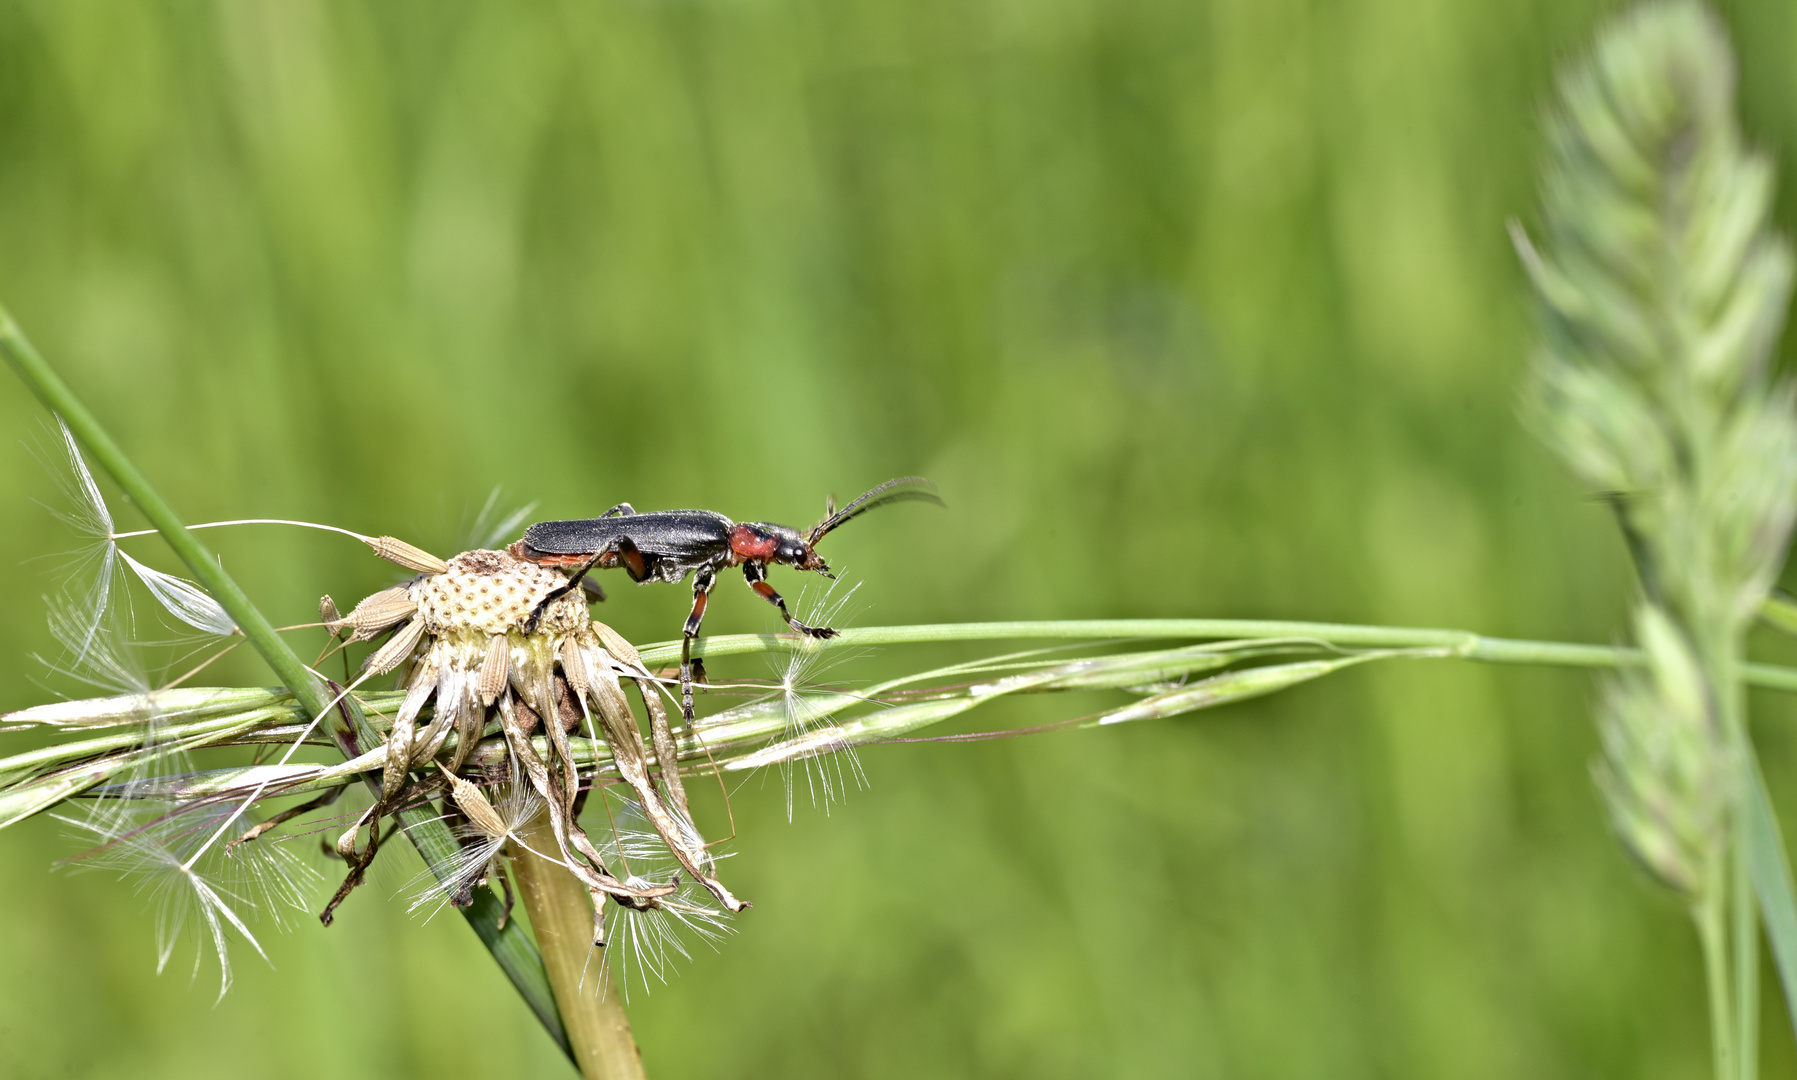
[137,709]
[1235,686]
[1772,882]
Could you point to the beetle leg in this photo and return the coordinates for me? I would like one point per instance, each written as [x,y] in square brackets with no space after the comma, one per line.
[573,582]
[702,583]
[620,510]
[631,557]
[756,575]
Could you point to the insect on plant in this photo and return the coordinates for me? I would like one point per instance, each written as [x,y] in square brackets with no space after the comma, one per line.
[667,545]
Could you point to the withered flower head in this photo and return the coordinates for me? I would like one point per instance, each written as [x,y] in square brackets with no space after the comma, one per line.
[462,646]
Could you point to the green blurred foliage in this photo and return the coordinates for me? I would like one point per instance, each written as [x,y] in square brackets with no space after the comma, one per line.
[1190,308]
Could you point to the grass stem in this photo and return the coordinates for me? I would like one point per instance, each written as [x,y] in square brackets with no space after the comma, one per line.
[1461,643]
[561,912]
[1710,916]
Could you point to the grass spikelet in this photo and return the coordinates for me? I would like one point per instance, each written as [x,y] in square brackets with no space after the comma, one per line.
[1661,289]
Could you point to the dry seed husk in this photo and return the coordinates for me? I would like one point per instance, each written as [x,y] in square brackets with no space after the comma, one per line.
[495,669]
[615,644]
[390,655]
[400,553]
[574,666]
[327,611]
[380,611]
[474,806]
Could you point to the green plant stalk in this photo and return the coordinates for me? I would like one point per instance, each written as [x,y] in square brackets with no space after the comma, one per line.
[516,954]
[1744,920]
[1710,916]
[562,912]
[56,395]
[521,964]
[1463,644]
[1745,926]
[1772,880]
[35,779]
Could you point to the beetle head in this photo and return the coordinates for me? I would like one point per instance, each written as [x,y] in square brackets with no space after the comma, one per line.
[768,543]
[788,547]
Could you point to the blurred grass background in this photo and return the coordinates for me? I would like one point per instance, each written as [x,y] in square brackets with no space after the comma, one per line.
[1193,308]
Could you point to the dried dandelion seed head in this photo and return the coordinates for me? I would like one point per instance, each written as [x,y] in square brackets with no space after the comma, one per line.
[489,631]
[463,644]
[492,592]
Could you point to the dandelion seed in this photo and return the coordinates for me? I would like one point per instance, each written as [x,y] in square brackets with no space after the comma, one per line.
[491,825]
[184,600]
[810,710]
[91,517]
[224,893]
[95,654]
[650,940]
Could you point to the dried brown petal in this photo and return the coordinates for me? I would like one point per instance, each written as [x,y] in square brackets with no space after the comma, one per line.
[667,751]
[400,553]
[631,761]
[346,844]
[519,722]
[405,722]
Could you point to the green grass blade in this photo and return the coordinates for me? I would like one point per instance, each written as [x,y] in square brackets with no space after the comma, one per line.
[1772,881]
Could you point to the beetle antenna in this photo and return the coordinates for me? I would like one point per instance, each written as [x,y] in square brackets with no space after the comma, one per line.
[903,489]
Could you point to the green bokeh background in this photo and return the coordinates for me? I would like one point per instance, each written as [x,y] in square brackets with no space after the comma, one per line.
[1191,308]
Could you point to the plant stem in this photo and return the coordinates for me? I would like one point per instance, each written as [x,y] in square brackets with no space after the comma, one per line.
[1461,643]
[1772,882]
[561,911]
[1745,923]
[1710,917]
[513,949]
[1744,919]
[510,948]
